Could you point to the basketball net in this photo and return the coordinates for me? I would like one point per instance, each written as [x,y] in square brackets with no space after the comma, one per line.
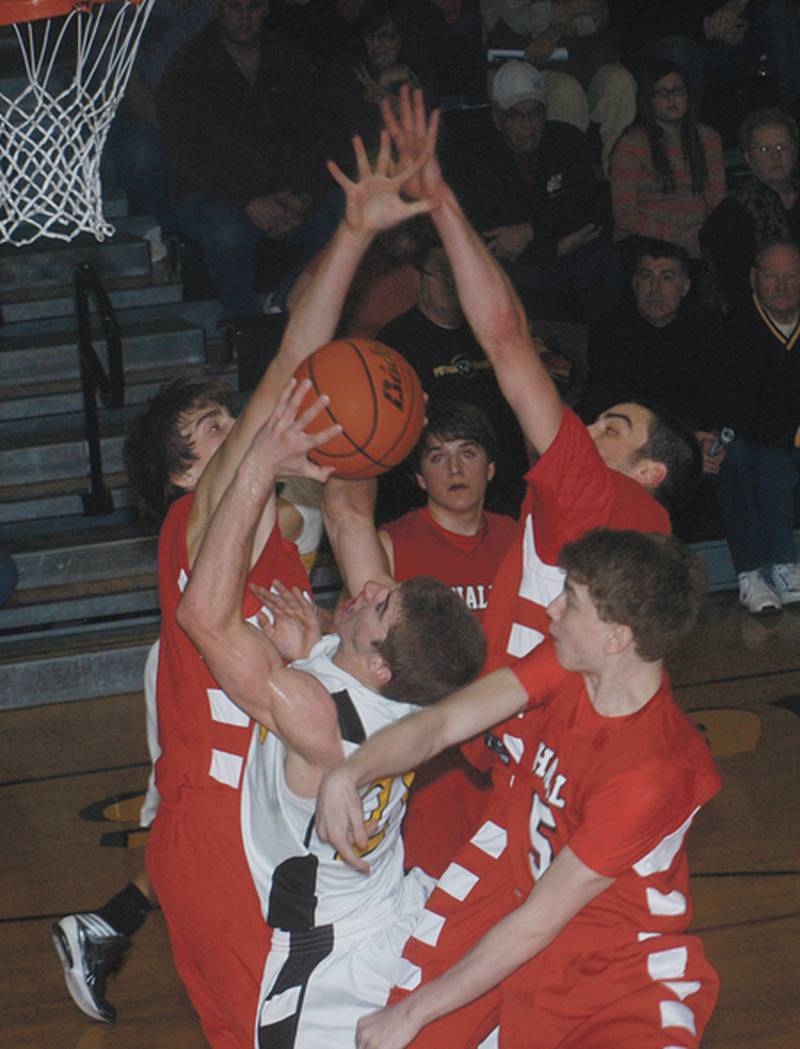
[53,132]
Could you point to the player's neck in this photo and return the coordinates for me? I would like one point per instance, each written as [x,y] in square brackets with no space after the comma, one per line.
[463,522]
[623,686]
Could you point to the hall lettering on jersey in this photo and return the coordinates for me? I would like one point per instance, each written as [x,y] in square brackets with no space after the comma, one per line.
[545,766]
[474,597]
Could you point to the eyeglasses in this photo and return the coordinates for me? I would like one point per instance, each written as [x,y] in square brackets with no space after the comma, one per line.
[438,271]
[663,93]
[765,149]
[381,36]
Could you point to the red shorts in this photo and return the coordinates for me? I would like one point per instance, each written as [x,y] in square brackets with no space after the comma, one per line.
[196,861]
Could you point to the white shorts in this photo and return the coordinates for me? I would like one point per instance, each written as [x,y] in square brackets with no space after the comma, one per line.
[318,984]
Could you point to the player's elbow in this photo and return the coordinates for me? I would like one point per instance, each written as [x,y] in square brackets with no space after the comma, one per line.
[201,620]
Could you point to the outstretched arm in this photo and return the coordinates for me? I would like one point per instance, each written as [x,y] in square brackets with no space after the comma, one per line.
[405,745]
[245,662]
[564,889]
[348,510]
[488,299]
[373,203]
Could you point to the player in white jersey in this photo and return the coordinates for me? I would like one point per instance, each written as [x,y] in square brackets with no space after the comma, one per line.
[336,944]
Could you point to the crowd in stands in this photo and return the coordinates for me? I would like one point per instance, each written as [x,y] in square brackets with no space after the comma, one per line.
[579,136]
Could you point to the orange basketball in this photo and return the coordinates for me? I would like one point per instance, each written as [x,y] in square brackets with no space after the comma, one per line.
[377,398]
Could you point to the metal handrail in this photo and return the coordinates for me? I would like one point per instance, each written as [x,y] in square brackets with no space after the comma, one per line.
[110,385]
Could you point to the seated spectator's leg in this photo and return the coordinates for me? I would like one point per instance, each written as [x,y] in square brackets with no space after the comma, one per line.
[736,492]
[313,235]
[8,577]
[228,241]
[776,481]
[141,167]
[612,104]
[566,99]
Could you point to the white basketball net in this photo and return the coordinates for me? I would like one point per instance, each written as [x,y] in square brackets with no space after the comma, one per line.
[53,132]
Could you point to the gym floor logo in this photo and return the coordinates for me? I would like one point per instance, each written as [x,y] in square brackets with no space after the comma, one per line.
[121,809]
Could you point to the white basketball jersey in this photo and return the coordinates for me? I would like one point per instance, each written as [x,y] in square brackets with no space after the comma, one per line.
[300,880]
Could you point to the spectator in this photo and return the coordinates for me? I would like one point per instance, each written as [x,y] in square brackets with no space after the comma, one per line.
[387,56]
[667,173]
[759,476]
[763,207]
[135,139]
[246,135]
[536,200]
[660,346]
[437,341]
[587,83]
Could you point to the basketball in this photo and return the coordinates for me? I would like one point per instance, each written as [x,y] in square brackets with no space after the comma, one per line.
[375,395]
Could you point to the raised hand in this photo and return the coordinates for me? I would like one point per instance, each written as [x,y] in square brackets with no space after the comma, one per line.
[282,443]
[373,203]
[414,137]
[289,621]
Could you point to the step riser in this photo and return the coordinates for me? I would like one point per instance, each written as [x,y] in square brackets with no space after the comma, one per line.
[65,403]
[64,306]
[54,462]
[85,563]
[57,506]
[69,678]
[46,267]
[61,616]
[57,363]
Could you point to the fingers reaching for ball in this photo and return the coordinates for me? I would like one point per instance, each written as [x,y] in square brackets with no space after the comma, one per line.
[285,440]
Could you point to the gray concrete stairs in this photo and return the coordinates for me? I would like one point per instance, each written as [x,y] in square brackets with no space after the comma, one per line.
[86,608]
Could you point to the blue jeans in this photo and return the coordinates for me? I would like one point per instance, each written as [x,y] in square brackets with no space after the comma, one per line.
[141,167]
[755,489]
[230,242]
[593,274]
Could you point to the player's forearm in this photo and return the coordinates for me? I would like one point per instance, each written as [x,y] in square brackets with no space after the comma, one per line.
[348,509]
[213,598]
[461,715]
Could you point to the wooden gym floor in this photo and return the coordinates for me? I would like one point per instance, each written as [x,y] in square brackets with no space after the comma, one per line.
[67,846]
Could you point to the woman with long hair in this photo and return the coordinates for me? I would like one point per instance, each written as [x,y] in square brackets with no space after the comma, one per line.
[667,172]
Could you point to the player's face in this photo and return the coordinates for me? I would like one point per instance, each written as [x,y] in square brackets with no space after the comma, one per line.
[660,286]
[580,635]
[619,433]
[205,427]
[772,155]
[522,125]
[455,474]
[241,21]
[776,281]
[368,616]
[437,289]
[670,99]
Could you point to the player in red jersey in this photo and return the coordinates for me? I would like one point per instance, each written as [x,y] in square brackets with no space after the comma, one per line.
[195,855]
[563,920]
[454,539]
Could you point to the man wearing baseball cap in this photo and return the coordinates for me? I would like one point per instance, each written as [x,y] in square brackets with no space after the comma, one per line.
[537,199]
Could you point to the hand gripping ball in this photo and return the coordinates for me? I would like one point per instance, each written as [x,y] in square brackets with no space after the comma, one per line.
[377,398]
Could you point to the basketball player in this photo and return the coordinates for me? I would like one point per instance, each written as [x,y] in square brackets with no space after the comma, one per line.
[336,939]
[563,919]
[454,539]
[195,855]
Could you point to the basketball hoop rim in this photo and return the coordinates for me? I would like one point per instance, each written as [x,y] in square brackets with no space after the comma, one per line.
[15,11]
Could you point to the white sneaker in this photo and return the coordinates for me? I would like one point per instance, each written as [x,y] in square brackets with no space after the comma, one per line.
[756,594]
[786,580]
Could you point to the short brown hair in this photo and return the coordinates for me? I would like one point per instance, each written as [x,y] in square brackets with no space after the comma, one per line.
[154,448]
[642,580]
[436,646]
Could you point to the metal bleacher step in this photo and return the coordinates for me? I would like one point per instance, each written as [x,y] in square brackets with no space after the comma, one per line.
[45,265]
[24,504]
[72,607]
[20,305]
[86,665]
[30,357]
